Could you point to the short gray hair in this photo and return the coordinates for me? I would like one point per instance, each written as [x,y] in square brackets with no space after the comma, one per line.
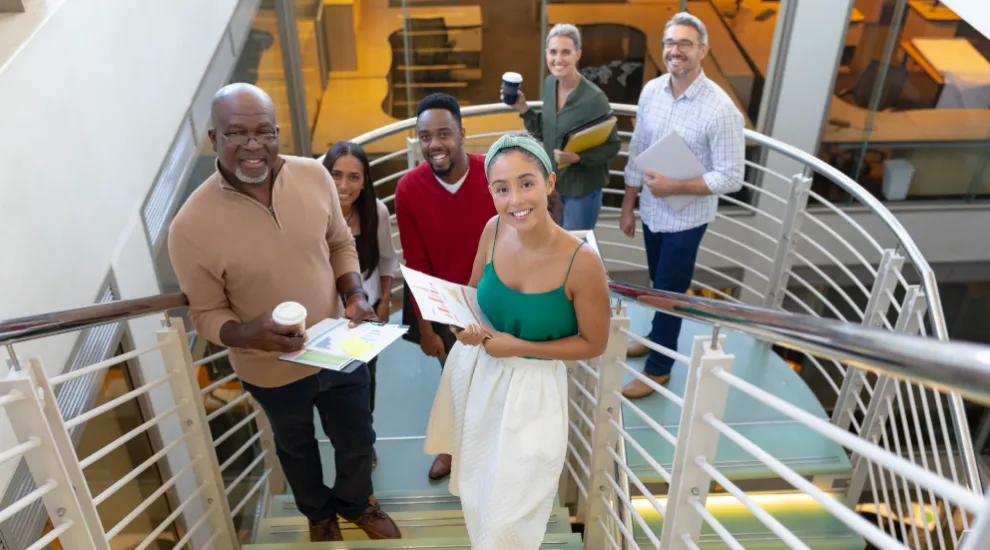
[687,20]
[566,30]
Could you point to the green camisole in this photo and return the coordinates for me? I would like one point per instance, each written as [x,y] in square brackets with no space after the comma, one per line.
[536,317]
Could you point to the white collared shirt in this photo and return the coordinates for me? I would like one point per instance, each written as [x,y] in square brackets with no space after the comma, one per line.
[711,125]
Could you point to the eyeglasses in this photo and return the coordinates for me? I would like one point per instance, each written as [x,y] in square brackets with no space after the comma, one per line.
[683,45]
[241,139]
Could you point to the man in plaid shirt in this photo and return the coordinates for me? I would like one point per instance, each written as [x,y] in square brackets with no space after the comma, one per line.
[684,101]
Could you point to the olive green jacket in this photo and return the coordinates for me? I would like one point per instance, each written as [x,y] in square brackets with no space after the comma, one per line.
[586,103]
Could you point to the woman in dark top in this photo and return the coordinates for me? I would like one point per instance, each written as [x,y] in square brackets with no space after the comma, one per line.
[368,219]
[570,101]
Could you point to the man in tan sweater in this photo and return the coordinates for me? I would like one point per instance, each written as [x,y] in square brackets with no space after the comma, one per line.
[262,230]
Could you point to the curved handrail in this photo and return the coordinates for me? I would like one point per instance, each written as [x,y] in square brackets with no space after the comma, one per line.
[58,322]
[952,366]
[929,284]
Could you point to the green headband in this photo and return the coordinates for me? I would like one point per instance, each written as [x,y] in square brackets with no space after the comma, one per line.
[524,142]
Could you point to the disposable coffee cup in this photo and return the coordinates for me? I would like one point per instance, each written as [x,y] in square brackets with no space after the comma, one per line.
[510,87]
[291,315]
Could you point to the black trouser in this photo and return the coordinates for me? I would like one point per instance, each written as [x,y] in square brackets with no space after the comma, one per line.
[341,399]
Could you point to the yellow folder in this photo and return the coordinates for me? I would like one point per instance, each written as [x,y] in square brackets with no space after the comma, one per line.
[589,135]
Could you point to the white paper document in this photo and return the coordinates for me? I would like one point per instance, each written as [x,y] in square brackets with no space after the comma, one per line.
[444,302]
[332,344]
[671,157]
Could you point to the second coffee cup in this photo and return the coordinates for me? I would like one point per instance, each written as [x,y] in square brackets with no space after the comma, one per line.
[291,314]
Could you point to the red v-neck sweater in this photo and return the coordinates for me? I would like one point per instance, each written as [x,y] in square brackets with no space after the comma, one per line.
[440,230]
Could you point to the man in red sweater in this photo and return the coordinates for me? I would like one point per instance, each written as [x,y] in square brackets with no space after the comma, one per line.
[441,207]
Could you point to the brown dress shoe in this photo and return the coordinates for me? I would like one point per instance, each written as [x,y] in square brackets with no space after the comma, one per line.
[327,530]
[377,524]
[636,349]
[638,389]
[441,467]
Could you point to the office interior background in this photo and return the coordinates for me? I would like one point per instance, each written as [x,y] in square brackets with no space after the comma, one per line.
[908,115]
[901,105]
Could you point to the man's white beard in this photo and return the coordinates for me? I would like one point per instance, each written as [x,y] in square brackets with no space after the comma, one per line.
[246,179]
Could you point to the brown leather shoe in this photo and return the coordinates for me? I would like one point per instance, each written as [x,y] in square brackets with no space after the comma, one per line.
[441,467]
[377,524]
[636,349]
[327,530]
[638,389]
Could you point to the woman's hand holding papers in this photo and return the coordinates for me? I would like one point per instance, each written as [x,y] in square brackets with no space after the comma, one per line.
[473,335]
[497,344]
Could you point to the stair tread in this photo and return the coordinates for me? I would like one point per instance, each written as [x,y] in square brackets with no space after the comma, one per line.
[285,505]
[421,527]
[556,541]
[797,512]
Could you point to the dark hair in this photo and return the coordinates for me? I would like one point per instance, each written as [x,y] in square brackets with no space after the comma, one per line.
[440,101]
[554,203]
[365,205]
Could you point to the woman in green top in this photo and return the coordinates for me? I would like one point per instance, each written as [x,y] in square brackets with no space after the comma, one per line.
[501,409]
[570,101]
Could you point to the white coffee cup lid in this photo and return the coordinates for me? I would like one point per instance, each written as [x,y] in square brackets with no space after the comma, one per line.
[289,314]
[515,78]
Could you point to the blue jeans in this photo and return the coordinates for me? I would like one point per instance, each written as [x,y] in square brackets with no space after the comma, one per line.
[581,213]
[671,258]
[342,401]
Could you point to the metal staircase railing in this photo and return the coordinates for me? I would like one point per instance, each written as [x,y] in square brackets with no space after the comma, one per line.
[880,379]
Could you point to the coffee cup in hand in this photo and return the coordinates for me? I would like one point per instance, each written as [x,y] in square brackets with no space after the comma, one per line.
[510,87]
[291,315]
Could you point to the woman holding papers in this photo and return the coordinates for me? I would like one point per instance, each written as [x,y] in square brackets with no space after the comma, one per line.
[501,410]
[368,219]
[577,129]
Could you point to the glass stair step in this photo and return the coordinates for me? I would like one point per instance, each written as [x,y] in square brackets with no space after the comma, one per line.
[799,447]
[414,525]
[797,512]
[285,506]
[569,541]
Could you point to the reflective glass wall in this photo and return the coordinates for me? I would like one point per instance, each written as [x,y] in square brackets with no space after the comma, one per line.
[910,114]
[384,56]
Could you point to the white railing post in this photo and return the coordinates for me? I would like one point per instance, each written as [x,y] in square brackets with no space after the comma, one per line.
[567,491]
[976,537]
[886,388]
[797,201]
[67,452]
[46,462]
[185,390]
[704,395]
[604,436]
[414,155]
[874,315]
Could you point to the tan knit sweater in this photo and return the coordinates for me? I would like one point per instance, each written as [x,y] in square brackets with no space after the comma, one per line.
[236,260]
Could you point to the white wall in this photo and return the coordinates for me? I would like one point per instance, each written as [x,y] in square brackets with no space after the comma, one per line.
[974,12]
[89,105]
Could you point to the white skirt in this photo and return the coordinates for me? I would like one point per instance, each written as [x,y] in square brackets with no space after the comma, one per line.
[504,421]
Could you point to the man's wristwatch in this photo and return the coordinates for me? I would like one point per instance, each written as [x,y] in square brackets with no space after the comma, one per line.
[356,290]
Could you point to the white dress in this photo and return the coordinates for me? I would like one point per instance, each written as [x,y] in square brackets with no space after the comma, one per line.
[504,421]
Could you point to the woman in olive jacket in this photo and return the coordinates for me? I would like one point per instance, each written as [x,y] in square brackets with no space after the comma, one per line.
[570,101]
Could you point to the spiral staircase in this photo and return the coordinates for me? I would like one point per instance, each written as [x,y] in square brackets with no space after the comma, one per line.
[815,401]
